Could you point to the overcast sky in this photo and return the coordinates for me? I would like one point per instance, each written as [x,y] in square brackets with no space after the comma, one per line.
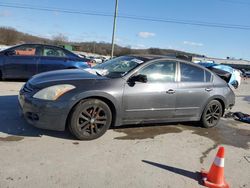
[162,33]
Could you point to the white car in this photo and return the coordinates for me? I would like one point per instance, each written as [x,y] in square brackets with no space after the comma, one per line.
[235,79]
[96,60]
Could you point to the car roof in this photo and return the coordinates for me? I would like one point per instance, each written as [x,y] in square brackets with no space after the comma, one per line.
[149,57]
[40,45]
[24,44]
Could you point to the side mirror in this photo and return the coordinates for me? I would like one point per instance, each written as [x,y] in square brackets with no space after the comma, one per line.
[138,78]
[10,52]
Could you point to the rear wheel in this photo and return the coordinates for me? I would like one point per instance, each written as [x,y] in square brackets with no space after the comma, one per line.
[211,114]
[90,119]
[1,75]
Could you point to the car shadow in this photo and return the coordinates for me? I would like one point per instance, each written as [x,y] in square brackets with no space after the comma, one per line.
[13,124]
[14,80]
[145,125]
[151,130]
[245,97]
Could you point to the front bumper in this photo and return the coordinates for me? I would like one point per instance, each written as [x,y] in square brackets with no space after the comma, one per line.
[43,114]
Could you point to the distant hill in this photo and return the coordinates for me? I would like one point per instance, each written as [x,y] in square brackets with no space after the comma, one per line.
[10,36]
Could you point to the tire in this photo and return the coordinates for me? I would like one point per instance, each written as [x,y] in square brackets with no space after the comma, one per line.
[90,119]
[211,114]
[1,76]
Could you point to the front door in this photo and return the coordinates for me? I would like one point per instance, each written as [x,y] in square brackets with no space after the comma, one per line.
[22,62]
[155,99]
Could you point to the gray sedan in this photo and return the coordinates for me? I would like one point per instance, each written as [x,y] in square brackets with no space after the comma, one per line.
[125,90]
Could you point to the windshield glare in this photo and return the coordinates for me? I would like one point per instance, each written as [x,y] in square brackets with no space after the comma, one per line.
[119,66]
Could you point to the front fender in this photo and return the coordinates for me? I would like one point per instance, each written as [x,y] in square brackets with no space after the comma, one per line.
[99,94]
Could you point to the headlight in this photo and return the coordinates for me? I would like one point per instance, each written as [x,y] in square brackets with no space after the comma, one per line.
[53,92]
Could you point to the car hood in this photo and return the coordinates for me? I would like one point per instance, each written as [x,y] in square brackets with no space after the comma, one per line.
[63,75]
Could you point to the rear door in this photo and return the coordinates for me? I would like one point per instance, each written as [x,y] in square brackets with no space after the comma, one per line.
[22,62]
[194,89]
[53,58]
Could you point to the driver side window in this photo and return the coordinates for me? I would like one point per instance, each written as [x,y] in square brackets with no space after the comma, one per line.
[25,50]
[163,71]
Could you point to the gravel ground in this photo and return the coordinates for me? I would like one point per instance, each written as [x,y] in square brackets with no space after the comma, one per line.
[151,156]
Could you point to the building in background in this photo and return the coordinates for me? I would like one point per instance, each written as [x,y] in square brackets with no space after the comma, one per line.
[235,63]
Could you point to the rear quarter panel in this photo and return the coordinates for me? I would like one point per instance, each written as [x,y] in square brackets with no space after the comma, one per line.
[223,92]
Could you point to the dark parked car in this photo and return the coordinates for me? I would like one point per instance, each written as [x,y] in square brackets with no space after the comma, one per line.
[26,60]
[245,73]
[125,90]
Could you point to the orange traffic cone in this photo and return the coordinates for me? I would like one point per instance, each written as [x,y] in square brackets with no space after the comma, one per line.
[215,177]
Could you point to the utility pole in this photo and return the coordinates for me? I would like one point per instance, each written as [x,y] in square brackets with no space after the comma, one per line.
[114,28]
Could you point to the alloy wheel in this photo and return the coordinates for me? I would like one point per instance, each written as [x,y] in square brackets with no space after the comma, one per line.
[91,120]
[213,114]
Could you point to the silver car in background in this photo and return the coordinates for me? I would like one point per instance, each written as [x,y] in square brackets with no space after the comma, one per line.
[125,90]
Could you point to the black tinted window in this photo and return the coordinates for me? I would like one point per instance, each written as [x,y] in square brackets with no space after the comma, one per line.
[160,72]
[190,73]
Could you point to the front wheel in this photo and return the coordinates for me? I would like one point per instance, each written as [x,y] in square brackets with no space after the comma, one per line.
[211,114]
[90,119]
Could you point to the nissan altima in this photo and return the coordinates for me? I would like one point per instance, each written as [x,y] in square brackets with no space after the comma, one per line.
[129,89]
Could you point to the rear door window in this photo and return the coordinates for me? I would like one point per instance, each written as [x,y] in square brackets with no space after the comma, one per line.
[191,73]
[53,52]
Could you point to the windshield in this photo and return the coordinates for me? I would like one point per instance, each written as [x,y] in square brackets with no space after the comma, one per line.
[119,66]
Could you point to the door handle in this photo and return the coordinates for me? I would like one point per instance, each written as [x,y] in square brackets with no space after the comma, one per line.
[170,91]
[208,89]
